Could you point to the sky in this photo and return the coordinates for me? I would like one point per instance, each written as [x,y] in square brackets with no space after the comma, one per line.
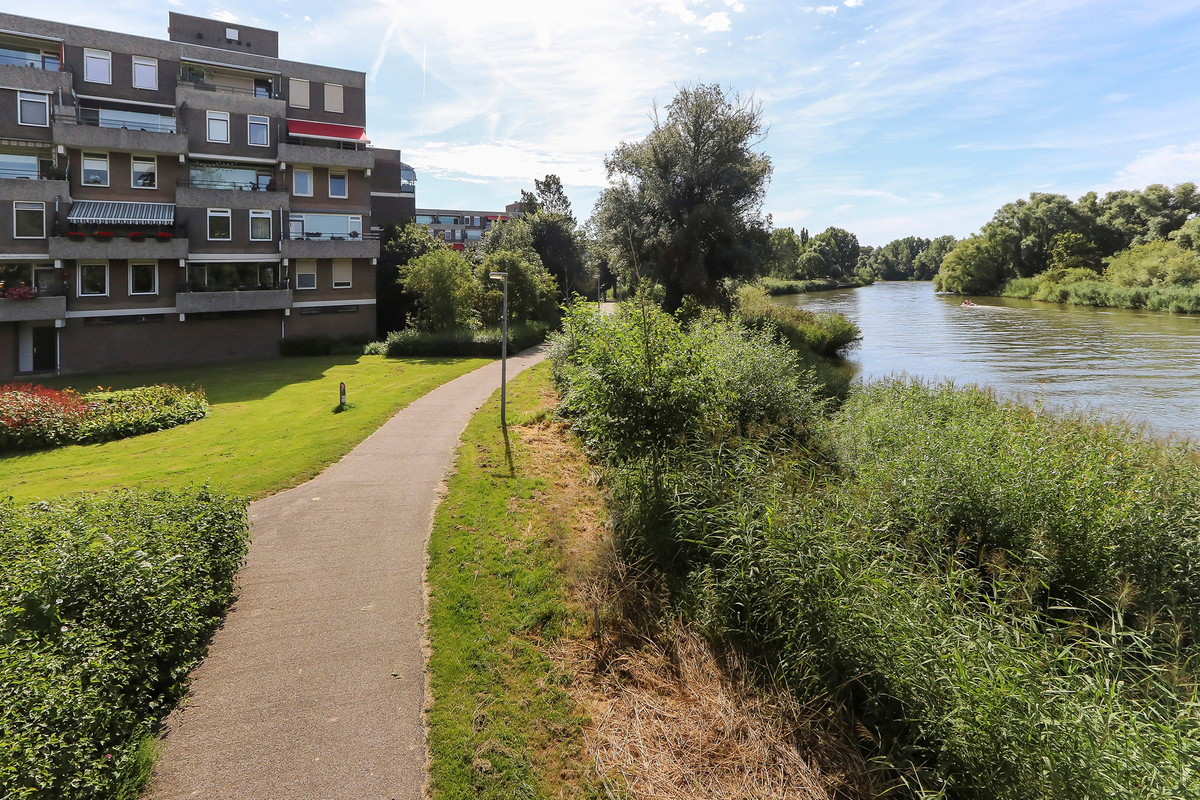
[884,117]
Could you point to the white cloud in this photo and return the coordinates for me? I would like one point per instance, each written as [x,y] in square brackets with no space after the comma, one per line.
[1117,97]
[222,15]
[852,3]
[856,64]
[821,9]
[737,6]
[1172,164]
[701,51]
[716,22]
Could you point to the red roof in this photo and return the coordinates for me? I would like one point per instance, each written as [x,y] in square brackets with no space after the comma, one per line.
[327,130]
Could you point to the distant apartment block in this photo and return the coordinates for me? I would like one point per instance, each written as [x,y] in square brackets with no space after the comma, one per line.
[459,228]
[183,201]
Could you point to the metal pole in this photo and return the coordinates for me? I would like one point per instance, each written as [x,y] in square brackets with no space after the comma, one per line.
[503,278]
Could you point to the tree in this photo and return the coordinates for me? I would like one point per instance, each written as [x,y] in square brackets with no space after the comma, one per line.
[549,196]
[975,266]
[531,291]
[397,247]
[684,207]
[839,248]
[1154,263]
[445,290]
[785,250]
[1073,250]
[926,265]
[811,266]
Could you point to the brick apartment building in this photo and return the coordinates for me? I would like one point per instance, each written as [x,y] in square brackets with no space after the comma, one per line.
[183,201]
[459,228]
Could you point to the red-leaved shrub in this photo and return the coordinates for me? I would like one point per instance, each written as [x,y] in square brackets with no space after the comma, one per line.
[36,416]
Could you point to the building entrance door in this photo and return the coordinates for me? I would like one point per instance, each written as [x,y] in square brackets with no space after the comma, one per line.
[45,348]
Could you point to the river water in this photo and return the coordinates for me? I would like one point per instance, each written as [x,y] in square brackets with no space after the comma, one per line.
[1135,365]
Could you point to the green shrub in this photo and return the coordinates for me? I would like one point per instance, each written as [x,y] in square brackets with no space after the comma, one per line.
[481,343]
[1022,288]
[823,334]
[351,344]
[105,604]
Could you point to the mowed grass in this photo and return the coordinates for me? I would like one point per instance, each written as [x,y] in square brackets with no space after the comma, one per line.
[502,722]
[271,425]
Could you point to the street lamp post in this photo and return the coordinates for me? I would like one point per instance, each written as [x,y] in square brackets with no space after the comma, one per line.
[503,278]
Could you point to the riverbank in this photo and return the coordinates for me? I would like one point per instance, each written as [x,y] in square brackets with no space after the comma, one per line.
[777,287]
[998,602]
[1172,298]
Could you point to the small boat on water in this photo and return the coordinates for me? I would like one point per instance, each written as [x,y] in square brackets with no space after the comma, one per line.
[969,304]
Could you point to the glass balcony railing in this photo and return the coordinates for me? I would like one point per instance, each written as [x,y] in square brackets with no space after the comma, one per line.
[127,120]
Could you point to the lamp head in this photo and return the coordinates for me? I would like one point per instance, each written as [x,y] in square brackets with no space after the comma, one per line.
[498,276]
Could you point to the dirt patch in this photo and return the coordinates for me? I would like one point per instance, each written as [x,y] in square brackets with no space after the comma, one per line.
[669,719]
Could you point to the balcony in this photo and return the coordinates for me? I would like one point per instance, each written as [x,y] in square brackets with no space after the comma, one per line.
[233,300]
[220,193]
[104,129]
[322,156]
[35,310]
[318,245]
[119,245]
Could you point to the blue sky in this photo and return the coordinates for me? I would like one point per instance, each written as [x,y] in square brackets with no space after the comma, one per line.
[885,118]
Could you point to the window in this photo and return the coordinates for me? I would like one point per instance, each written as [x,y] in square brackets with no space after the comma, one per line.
[218,126]
[260,226]
[342,272]
[333,97]
[302,182]
[220,226]
[29,220]
[259,131]
[95,169]
[93,280]
[33,109]
[306,274]
[144,172]
[145,73]
[337,184]
[298,93]
[477,222]
[143,278]
[97,66]
[447,234]
[457,235]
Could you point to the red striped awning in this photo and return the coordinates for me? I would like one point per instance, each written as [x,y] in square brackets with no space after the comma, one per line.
[327,130]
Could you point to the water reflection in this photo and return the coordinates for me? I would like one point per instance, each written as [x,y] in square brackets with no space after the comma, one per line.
[1142,366]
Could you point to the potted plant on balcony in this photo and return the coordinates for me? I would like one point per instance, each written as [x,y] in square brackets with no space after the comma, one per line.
[137,236]
[20,293]
[354,234]
[164,236]
[102,236]
[76,236]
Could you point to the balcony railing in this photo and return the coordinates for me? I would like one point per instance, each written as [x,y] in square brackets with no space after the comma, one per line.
[241,186]
[33,173]
[17,58]
[315,236]
[328,144]
[205,86]
[129,122]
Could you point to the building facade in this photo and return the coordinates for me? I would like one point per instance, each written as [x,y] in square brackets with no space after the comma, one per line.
[172,202]
[459,228]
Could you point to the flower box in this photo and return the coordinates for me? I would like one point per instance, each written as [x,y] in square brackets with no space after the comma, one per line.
[102,236]
[20,293]
[76,236]
[136,236]
[164,236]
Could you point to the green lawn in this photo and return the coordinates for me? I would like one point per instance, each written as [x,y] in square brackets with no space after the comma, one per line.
[270,425]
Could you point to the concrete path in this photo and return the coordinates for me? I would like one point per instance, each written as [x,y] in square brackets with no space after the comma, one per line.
[314,687]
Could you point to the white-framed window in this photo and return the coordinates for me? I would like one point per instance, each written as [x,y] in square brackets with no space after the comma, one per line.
[29,220]
[218,126]
[333,97]
[477,222]
[302,182]
[446,233]
[145,72]
[143,278]
[232,34]
[258,131]
[343,271]
[298,93]
[457,235]
[97,66]
[306,273]
[143,172]
[33,109]
[92,280]
[95,169]
[220,225]
[260,225]
[337,184]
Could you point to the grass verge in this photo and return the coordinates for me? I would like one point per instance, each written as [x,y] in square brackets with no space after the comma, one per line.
[502,723]
[270,426]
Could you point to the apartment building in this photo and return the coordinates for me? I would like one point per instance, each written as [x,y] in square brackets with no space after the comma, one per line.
[459,228]
[177,201]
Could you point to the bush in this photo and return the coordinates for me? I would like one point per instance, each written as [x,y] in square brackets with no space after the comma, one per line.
[482,343]
[106,602]
[33,416]
[823,334]
[445,290]
[351,344]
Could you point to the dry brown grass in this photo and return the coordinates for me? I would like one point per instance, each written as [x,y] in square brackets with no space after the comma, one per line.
[669,718]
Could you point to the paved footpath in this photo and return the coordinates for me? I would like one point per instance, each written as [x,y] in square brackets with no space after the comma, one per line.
[314,687]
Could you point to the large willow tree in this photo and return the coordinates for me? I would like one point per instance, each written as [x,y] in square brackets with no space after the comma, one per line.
[684,205]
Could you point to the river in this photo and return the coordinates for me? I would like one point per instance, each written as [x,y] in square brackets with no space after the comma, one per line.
[1135,365]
